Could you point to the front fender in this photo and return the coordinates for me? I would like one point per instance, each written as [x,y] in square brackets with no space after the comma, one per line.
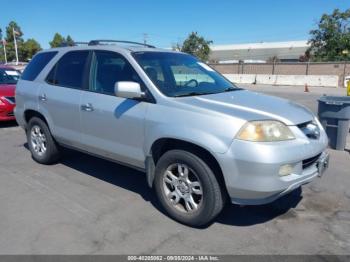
[200,138]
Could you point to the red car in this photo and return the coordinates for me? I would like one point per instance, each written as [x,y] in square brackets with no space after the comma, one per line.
[8,79]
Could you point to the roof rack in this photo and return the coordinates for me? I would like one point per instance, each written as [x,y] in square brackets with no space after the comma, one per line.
[81,43]
[98,42]
[65,44]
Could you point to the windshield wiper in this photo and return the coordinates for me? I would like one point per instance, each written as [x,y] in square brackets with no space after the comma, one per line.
[229,89]
[193,94]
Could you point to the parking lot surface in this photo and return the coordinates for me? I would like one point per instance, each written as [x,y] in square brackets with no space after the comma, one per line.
[85,205]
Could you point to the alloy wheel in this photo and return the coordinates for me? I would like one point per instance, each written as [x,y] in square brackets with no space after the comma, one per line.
[182,188]
[38,140]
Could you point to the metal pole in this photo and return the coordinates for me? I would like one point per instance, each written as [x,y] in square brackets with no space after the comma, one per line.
[4,45]
[5,52]
[14,39]
[145,36]
[344,72]
[307,68]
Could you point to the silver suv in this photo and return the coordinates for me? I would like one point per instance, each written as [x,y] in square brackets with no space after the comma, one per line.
[200,139]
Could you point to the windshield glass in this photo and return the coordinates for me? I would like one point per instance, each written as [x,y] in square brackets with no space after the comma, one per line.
[178,74]
[9,76]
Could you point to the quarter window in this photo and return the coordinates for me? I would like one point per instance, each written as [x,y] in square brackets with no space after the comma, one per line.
[69,70]
[36,65]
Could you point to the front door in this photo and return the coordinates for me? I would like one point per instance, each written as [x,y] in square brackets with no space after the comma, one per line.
[112,126]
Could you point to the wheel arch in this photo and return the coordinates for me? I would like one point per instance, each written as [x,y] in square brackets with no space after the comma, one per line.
[162,145]
[30,113]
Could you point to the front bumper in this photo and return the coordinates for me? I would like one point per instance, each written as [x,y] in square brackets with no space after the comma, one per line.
[6,113]
[251,170]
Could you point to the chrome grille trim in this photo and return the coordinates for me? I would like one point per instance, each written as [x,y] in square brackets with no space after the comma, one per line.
[310,161]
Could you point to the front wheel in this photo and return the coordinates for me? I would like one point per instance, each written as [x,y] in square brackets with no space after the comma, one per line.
[187,188]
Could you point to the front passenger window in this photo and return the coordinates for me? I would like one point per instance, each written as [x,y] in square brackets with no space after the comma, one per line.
[107,69]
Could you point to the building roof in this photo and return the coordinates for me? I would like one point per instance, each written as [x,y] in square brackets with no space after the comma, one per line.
[259,51]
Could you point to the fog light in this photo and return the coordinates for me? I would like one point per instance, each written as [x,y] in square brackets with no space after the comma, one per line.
[285,170]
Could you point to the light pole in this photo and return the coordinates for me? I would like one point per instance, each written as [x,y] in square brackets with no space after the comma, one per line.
[15,42]
[4,45]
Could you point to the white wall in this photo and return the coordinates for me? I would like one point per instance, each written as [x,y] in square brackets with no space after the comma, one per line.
[298,80]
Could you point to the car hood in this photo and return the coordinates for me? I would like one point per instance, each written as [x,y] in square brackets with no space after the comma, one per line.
[7,90]
[252,106]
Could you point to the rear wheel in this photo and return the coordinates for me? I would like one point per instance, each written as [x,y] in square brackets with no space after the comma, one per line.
[41,144]
[187,188]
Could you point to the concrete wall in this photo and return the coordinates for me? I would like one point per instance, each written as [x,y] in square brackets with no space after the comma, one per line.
[313,71]
[266,79]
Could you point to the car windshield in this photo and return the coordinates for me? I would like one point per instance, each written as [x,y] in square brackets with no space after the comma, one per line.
[178,74]
[9,76]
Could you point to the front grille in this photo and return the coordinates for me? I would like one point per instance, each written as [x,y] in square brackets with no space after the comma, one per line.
[11,99]
[10,114]
[310,161]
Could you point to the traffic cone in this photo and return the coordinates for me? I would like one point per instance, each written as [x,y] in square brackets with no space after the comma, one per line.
[306,88]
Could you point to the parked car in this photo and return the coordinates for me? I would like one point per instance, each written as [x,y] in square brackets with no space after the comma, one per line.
[200,139]
[8,79]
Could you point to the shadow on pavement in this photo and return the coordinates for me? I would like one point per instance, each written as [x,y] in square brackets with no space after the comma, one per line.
[110,172]
[8,124]
[135,181]
[251,215]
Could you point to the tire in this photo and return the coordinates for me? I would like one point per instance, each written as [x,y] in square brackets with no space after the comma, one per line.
[195,210]
[41,144]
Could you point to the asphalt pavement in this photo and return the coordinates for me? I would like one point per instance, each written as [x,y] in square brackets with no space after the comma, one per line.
[85,205]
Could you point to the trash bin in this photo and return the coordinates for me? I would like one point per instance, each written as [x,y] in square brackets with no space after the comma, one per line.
[334,115]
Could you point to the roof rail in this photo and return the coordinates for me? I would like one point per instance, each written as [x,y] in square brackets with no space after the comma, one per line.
[98,42]
[65,44]
[81,43]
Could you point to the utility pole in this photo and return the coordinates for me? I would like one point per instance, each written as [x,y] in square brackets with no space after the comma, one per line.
[145,37]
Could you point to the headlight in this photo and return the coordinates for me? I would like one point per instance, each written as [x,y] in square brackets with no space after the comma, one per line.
[1,102]
[265,131]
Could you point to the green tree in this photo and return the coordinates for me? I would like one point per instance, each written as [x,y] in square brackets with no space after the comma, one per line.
[196,45]
[10,46]
[9,32]
[57,41]
[30,48]
[26,49]
[331,40]
[69,41]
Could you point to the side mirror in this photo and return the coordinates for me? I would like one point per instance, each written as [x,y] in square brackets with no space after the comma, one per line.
[128,89]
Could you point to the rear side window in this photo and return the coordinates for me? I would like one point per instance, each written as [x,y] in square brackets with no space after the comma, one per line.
[69,70]
[37,64]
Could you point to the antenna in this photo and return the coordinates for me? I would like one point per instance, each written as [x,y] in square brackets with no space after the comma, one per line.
[145,37]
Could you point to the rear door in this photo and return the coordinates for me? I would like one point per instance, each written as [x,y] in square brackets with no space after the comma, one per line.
[112,126]
[60,97]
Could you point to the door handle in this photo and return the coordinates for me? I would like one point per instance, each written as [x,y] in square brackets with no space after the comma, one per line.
[87,107]
[42,97]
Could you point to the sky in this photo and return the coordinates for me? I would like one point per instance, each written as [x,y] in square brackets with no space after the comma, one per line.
[167,22]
